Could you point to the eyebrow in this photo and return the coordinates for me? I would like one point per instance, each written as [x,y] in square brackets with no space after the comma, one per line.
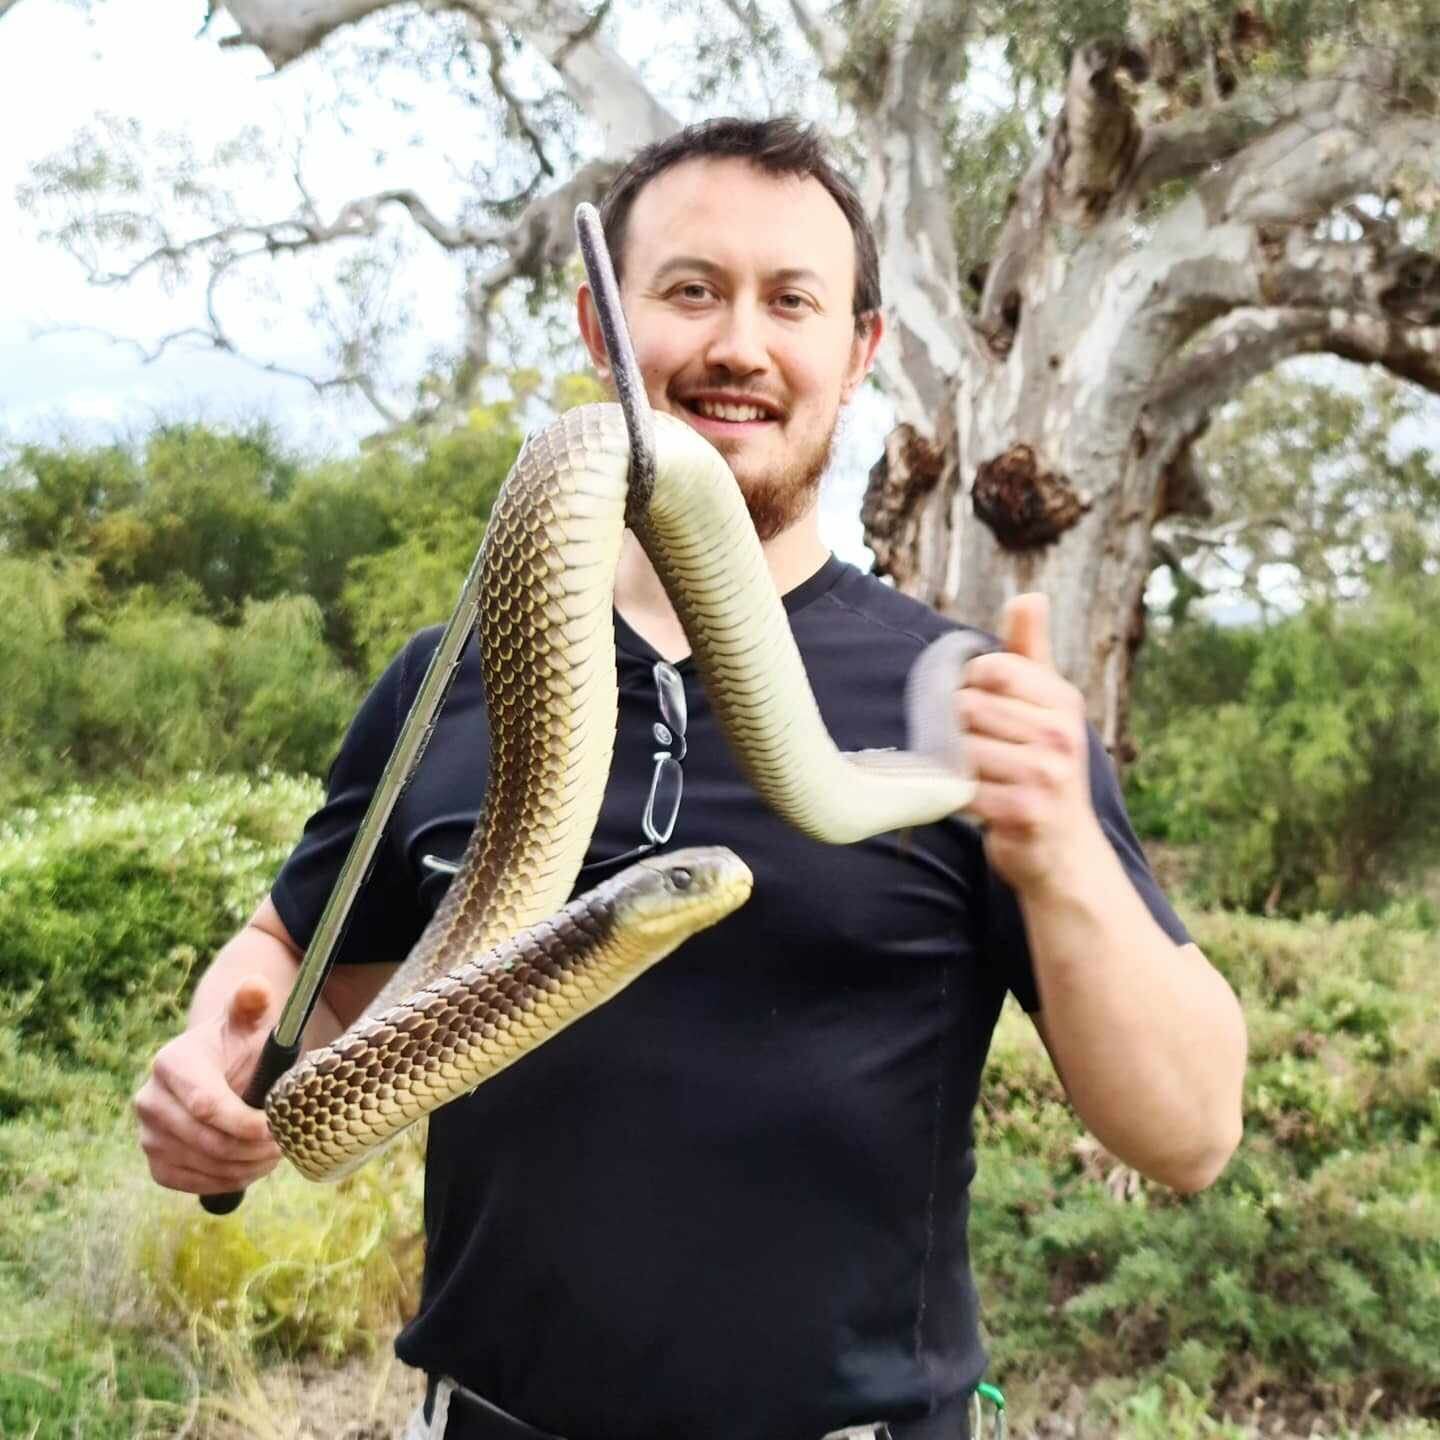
[790,275]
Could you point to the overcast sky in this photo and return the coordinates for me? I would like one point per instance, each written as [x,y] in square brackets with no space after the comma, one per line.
[61,67]
[58,69]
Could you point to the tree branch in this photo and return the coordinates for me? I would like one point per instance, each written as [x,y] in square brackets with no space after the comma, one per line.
[604,85]
[902,91]
[217,341]
[607,88]
[356,219]
[1367,277]
[540,242]
[1200,139]
[1078,171]
[825,39]
[1190,145]
[485,32]
[284,30]
[1248,343]
[1190,275]
[1310,166]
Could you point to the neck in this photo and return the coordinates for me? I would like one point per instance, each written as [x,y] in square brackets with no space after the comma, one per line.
[792,557]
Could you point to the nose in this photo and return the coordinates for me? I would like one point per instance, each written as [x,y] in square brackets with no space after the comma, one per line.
[737,342]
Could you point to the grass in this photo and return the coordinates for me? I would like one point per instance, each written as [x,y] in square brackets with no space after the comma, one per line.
[1304,1287]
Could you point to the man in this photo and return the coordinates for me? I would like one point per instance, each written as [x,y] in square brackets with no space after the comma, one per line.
[733,1202]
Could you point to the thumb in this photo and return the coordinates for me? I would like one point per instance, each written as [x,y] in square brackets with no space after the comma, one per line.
[1025,627]
[249,1007]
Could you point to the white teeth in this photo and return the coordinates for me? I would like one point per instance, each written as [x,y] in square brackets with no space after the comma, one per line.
[717,411]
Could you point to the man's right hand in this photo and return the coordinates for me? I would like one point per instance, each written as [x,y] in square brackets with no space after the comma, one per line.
[196,1132]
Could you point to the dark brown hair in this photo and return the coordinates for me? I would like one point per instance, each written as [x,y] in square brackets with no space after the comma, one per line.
[781,146]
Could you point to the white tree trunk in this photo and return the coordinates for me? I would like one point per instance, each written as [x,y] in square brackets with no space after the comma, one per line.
[1101,349]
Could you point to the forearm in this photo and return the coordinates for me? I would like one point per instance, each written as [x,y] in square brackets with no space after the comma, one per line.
[1147,1037]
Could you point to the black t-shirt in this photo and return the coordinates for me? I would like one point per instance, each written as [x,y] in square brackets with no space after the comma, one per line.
[732,1202]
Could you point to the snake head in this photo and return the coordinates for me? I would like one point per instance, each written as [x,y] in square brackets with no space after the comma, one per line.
[665,899]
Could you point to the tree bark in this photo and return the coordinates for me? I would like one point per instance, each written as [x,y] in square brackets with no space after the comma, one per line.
[1104,340]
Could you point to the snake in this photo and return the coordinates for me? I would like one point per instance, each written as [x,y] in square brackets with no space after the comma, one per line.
[508,960]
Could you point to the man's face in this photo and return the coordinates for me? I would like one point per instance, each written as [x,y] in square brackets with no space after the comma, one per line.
[738,288]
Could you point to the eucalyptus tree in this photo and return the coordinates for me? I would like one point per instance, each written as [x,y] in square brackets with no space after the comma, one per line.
[1099,221]
[1320,491]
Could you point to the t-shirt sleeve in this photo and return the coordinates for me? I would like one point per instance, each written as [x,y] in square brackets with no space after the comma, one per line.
[1007,927]
[386,918]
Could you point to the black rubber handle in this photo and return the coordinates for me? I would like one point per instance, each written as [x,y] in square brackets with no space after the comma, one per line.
[275,1060]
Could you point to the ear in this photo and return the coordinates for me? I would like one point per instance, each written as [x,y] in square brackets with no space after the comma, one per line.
[588,319]
[863,349]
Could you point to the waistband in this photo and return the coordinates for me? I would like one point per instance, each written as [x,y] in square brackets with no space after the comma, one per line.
[451,1412]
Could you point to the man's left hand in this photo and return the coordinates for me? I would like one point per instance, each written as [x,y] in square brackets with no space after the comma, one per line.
[1028,745]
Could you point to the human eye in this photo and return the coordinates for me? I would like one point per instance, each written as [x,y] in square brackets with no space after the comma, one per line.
[692,292]
[793,302]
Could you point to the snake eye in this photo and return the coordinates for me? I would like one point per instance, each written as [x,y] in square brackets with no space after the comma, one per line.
[681,879]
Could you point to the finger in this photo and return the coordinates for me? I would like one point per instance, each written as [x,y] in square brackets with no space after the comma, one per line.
[1006,809]
[1021,678]
[1025,626]
[207,1098]
[1030,767]
[164,1122]
[174,1175]
[248,1010]
[1022,722]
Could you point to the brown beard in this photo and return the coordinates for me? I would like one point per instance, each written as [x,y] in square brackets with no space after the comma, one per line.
[776,502]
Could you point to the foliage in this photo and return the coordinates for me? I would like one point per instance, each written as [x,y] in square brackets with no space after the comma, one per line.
[1310,1273]
[1308,766]
[105,906]
[206,600]
[394,592]
[1312,1267]
[151,688]
[1318,492]
[69,490]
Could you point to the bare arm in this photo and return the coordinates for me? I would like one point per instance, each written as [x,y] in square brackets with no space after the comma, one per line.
[196,1132]
[1146,1036]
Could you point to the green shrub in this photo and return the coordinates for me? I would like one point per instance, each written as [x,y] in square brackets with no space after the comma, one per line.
[1319,786]
[335,515]
[207,516]
[105,908]
[287,699]
[1310,1273]
[51,497]
[156,690]
[447,498]
[1312,1265]
[206,602]
[413,584]
[40,601]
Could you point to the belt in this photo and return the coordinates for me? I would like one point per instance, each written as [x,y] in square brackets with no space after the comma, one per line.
[472,1417]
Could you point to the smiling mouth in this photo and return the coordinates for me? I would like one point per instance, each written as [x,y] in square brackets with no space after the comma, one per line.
[729,413]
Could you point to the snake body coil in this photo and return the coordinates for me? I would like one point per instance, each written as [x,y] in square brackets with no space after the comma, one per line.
[459,1008]
[547,643]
